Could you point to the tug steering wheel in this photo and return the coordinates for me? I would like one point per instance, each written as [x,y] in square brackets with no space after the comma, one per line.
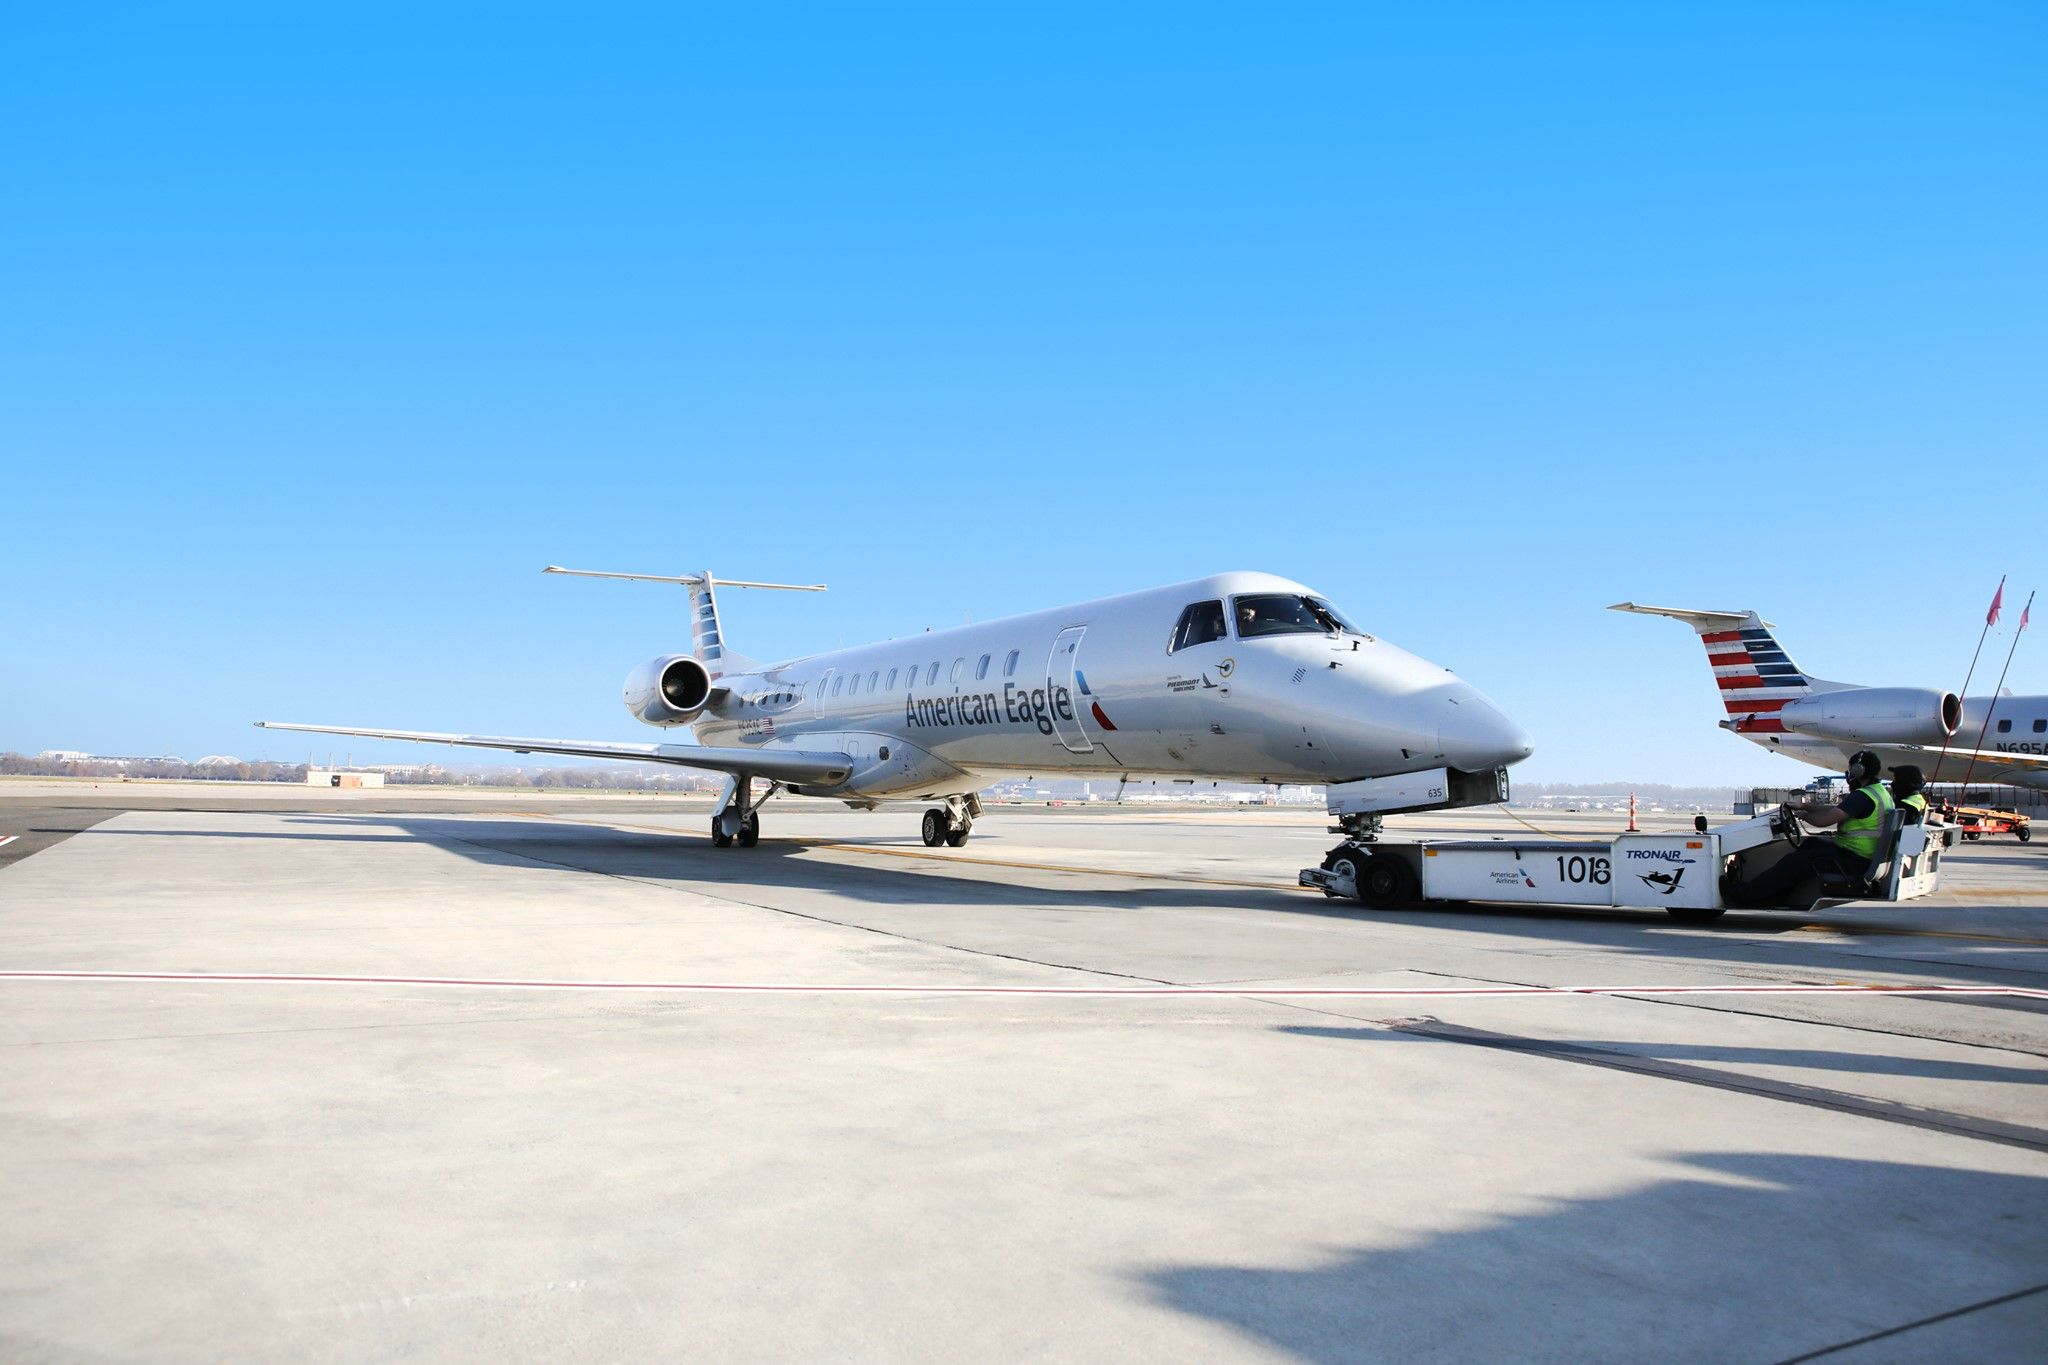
[1789,827]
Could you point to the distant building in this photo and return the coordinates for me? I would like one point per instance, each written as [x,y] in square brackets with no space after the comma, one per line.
[342,777]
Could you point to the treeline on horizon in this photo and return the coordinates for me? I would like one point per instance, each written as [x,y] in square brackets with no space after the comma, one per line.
[598,779]
[1644,791]
[636,779]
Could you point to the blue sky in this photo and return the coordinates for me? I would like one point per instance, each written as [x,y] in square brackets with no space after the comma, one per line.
[324,332]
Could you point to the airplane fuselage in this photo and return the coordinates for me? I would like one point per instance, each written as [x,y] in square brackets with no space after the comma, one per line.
[1235,677]
[2017,725]
[1222,678]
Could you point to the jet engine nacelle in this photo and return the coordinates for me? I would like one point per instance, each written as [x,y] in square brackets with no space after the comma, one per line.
[670,690]
[1876,715]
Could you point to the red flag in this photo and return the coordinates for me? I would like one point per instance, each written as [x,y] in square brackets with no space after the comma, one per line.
[2025,612]
[1998,601]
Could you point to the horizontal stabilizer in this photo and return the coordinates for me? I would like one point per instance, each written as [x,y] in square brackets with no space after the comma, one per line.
[1701,621]
[779,765]
[707,635]
[688,580]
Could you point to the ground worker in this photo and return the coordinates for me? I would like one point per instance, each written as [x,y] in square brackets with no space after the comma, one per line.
[1908,784]
[1856,820]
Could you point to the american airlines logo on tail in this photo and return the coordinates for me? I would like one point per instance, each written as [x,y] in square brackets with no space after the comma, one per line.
[1755,675]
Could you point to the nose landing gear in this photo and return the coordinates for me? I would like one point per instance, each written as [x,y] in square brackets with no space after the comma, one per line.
[1359,870]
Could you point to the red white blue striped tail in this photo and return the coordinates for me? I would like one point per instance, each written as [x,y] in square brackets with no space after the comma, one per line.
[1755,674]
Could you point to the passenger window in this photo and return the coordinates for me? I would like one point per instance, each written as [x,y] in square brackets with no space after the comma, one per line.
[874,680]
[954,675]
[891,684]
[2005,727]
[2041,727]
[932,674]
[981,669]
[835,685]
[1010,664]
[1198,625]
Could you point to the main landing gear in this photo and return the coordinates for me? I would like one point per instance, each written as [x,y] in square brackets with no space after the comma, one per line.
[951,823]
[746,836]
[738,817]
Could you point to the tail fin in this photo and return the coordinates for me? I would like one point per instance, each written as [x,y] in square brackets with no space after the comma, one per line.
[707,637]
[1754,673]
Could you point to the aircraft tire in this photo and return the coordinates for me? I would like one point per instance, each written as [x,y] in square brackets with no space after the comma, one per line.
[1695,914]
[1376,881]
[719,838]
[750,830]
[934,827]
[957,838]
[1346,864]
[1384,883]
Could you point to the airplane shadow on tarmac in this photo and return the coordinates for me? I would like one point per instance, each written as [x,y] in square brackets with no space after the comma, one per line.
[1756,1256]
[924,878]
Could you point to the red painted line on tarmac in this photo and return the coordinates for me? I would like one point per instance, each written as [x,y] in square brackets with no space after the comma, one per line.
[787,988]
[8,838]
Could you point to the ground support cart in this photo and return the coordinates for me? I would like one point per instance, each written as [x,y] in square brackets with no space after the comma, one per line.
[1677,873]
[1974,822]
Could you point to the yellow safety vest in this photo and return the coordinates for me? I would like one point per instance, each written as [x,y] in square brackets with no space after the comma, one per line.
[1858,834]
[1917,802]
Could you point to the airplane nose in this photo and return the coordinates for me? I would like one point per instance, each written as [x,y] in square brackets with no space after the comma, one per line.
[1476,735]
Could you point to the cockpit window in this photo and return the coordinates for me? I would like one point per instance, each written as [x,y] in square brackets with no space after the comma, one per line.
[1199,624]
[1283,613]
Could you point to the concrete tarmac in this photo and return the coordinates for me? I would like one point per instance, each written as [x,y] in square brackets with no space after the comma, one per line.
[358,1075]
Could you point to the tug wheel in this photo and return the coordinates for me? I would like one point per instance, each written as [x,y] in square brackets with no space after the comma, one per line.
[2023,832]
[1385,882]
[1695,914]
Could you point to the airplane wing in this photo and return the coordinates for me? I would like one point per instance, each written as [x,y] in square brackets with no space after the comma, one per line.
[1991,765]
[779,765]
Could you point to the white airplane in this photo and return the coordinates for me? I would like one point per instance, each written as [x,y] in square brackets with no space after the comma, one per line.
[1774,703]
[1239,677]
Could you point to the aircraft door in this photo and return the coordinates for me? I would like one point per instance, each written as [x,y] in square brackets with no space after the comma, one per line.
[1063,678]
